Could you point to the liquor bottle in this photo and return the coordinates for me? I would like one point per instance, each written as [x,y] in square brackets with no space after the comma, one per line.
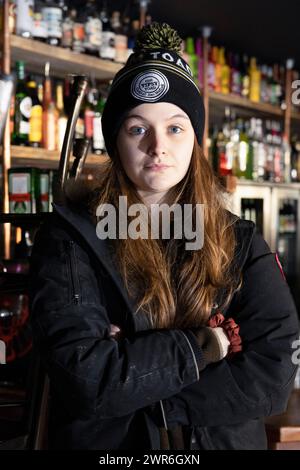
[199,53]
[22,108]
[67,29]
[278,91]
[92,29]
[121,40]
[223,147]
[107,49]
[295,159]
[255,76]
[98,139]
[24,17]
[192,57]
[53,14]
[225,72]
[271,87]
[40,27]
[244,156]
[78,31]
[135,26]
[44,177]
[62,117]
[11,17]
[245,77]
[24,191]
[264,95]
[36,116]
[235,74]
[211,77]
[49,113]
[286,156]
[89,113]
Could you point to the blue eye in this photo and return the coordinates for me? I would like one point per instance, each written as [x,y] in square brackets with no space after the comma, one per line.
[175,129]
[136,130]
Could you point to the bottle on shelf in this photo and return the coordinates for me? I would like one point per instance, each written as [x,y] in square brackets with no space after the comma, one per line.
[225,72]
[98,139]
[62,117]
[255,77]
[52,13]
[67,29]
[36,116]
[107,49]
[132,34]
[245,77]
[49,113]
[24,190]
[78,30]
[235,74]
[89,111]
[199,53]
[24,18]
[192,57]
[121,41]
[92,29]
[22,107]
[243,156]
[40,28]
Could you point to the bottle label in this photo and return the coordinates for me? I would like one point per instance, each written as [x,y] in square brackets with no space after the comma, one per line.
[24,13]
[107,49]
[88,123]
[35,123]
[121,48]
[24,127]
[93,29]
[39,29]
[25,106]
[62,125]
[67,34]
[53,18]
[98,139]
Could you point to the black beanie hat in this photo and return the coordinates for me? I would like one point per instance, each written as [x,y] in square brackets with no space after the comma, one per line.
[154,73]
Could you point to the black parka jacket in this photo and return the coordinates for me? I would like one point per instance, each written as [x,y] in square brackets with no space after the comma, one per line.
[108,394]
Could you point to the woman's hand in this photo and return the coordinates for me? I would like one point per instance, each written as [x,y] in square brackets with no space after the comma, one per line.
[115,331]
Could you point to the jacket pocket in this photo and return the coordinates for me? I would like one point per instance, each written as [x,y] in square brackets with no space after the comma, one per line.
[73,272]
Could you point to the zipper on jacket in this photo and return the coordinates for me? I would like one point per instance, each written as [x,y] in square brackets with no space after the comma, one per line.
[73,272]
[163,414]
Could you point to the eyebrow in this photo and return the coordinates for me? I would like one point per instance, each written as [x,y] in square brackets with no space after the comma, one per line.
[138,116]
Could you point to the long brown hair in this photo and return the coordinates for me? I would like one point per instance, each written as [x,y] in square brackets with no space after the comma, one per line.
[175,287]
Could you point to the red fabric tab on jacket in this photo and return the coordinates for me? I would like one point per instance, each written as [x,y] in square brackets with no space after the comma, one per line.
[280,266]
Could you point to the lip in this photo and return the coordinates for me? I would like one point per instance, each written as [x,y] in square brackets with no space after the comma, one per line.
[157,166]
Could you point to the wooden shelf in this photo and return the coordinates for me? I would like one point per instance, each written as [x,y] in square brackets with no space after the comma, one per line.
[63,61]
[295,115]
[30,156]
[234,100]
[270,184]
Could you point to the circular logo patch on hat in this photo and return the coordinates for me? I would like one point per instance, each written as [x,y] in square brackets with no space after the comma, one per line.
[149,86]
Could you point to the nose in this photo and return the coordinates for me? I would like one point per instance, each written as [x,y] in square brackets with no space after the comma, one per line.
[156,144]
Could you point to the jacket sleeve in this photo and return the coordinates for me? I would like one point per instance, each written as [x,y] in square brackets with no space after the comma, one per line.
[256,382]
[91,371]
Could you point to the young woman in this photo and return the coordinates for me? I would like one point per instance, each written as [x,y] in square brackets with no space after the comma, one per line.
[151,341]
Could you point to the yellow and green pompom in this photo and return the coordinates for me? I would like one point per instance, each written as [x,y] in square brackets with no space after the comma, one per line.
[158,36]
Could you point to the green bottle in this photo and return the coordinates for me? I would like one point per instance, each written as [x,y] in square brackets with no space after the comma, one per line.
[193,58]
[23,105]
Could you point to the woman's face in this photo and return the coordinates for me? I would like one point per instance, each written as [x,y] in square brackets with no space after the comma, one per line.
[155,145]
